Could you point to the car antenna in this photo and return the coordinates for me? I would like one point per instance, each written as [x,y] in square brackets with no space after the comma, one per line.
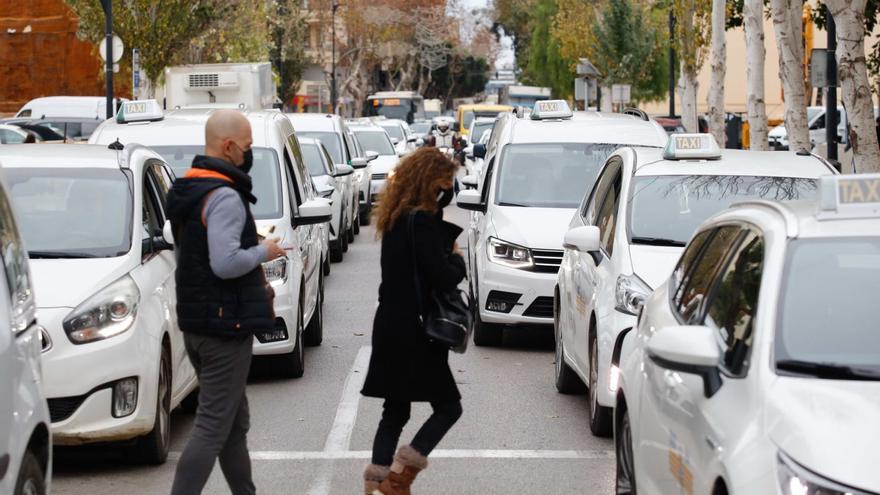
[116,145]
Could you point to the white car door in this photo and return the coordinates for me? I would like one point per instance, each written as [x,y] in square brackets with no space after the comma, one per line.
[477,230]
[308,234]
[668,409]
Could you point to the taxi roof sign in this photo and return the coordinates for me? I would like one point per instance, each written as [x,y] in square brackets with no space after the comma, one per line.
[691,147]
[551,109]
[850,196]
[139,111]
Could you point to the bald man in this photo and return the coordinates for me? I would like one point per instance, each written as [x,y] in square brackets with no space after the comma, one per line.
[222,298]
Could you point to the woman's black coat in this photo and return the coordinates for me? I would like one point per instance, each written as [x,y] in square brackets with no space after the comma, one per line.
[404,365]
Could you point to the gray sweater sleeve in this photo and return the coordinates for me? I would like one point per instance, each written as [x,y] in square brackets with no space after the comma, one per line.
[225,216]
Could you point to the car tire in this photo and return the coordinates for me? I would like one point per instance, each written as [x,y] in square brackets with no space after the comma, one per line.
[314,332]
[292,364]
[336,250]
[350,232]
[567,381]
[356,224]
[600,416]
[343,236]
[364,216]
[190,403]
[485,334]
[153,447]
[625,478]
[31,480]
[325,266]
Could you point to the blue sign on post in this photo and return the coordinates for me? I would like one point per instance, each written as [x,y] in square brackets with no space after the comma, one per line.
[135,72]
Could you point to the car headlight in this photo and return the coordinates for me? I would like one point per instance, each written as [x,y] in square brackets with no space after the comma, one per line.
[275,270]
[106,314]
[509,255]
[797,480]
[630,294]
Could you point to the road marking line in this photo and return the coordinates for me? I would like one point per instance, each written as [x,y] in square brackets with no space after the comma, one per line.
[339,438]
[281,455]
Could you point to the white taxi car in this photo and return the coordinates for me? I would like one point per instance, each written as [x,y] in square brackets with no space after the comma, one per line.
[25,442]
[286,209]
[333,182]
[754,368]
[630,230]
[537,170]
[380,151]
[402,137]
[93,221]
[335,135]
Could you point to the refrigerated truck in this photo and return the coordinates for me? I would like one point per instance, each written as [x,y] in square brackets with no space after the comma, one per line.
[247,86]
[524,96]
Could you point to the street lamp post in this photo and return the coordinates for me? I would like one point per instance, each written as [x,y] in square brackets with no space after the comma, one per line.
[333,91]
[831,91]
[108,29]
[671,64]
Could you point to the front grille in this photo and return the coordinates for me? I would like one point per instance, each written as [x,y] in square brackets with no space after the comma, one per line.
[276,334]
[542,307]
[64,407]
[379,176]
[204,80]
[547,260]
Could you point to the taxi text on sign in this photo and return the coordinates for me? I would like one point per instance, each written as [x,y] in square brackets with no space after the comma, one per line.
[688,142]
[858,190]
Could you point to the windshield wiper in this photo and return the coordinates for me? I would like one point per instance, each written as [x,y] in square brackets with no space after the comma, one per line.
[505,203]
[658,241]
[58,255]
[831,371]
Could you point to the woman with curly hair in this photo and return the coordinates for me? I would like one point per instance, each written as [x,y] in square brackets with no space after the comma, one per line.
[405,367]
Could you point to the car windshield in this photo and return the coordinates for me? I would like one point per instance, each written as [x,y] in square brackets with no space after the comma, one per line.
[468,117]
[330,140]
[394,131]
[421,128]
[828,313]
[72,212]
[671,207]
[479,129]
[549,175]
[312,156]
[375,141]
[264,174]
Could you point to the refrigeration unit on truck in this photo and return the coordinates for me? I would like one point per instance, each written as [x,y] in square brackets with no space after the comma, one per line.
[524,96]
[246,86]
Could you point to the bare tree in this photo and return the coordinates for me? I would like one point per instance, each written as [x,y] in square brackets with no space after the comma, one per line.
[753,23]
[718,63]
[787,18]
[690,40]
[849,15]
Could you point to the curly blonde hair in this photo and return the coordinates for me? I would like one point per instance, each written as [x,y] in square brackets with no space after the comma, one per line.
[414,186]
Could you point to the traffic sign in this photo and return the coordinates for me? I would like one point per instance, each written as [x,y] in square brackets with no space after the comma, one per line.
[118,48]
[620,93]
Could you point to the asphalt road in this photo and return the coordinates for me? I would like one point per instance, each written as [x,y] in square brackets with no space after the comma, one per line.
[312,436]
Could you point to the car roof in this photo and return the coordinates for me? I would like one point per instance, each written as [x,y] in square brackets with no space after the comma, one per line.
[734,162]
[366,128]
[586,127]
[59,156]
[184,126]
[482,107]
[315,122]
[390,122]
[308,141]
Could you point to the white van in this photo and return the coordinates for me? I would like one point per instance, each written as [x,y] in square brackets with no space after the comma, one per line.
[86,107]
[778,136]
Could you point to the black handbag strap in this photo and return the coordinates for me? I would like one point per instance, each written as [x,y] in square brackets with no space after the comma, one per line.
[411,229]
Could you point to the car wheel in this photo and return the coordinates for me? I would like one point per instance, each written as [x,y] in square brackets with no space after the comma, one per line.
[153,447]
[336,250]
[485,334]
[350,231]
[343,236]
[356,224]
[626,475]
[567,382]
[326,266]
[364,216]
[292,365]
[600,416]
[314,333]
[30,476]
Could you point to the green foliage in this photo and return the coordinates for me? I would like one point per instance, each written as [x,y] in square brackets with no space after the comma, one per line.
[692,31]
[546,66]
[513,17]
[628,47]
[288,29]
[462,76]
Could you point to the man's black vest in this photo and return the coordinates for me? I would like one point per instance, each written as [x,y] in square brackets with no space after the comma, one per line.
[206,303]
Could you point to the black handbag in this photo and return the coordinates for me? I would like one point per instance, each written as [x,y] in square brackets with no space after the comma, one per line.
[447,321]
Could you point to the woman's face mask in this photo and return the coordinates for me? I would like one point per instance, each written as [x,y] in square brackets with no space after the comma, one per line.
[444,197]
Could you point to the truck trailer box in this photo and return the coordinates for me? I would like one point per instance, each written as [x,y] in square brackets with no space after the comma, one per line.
[244,85]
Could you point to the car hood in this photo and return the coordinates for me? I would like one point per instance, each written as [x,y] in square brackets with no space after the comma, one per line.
[536,228]
[654,264]
[273,229]
[828,426]
[65,283]
[384,164]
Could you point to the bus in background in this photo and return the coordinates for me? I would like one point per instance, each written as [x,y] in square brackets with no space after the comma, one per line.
[523,96]
[433,108]
[467,113]
[403,105]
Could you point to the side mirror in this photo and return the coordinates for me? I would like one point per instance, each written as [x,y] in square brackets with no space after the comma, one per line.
[372,155]
[313,212]
[480,151]
[395,141]
[168,233]
[343,170]
[471,200]
[358,162]
[688,349]
[412,139]
[470,181]
[585,239]
[420,142]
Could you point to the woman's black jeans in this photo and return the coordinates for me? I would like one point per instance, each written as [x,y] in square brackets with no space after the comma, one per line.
[395,415]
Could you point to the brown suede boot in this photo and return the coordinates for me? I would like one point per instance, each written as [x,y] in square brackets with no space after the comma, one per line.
[373,475]
[407,464]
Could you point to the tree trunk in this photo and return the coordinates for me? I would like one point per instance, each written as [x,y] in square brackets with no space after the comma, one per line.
[753,20]
[688,86]
[786,16]
[718,63]
[853,79]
